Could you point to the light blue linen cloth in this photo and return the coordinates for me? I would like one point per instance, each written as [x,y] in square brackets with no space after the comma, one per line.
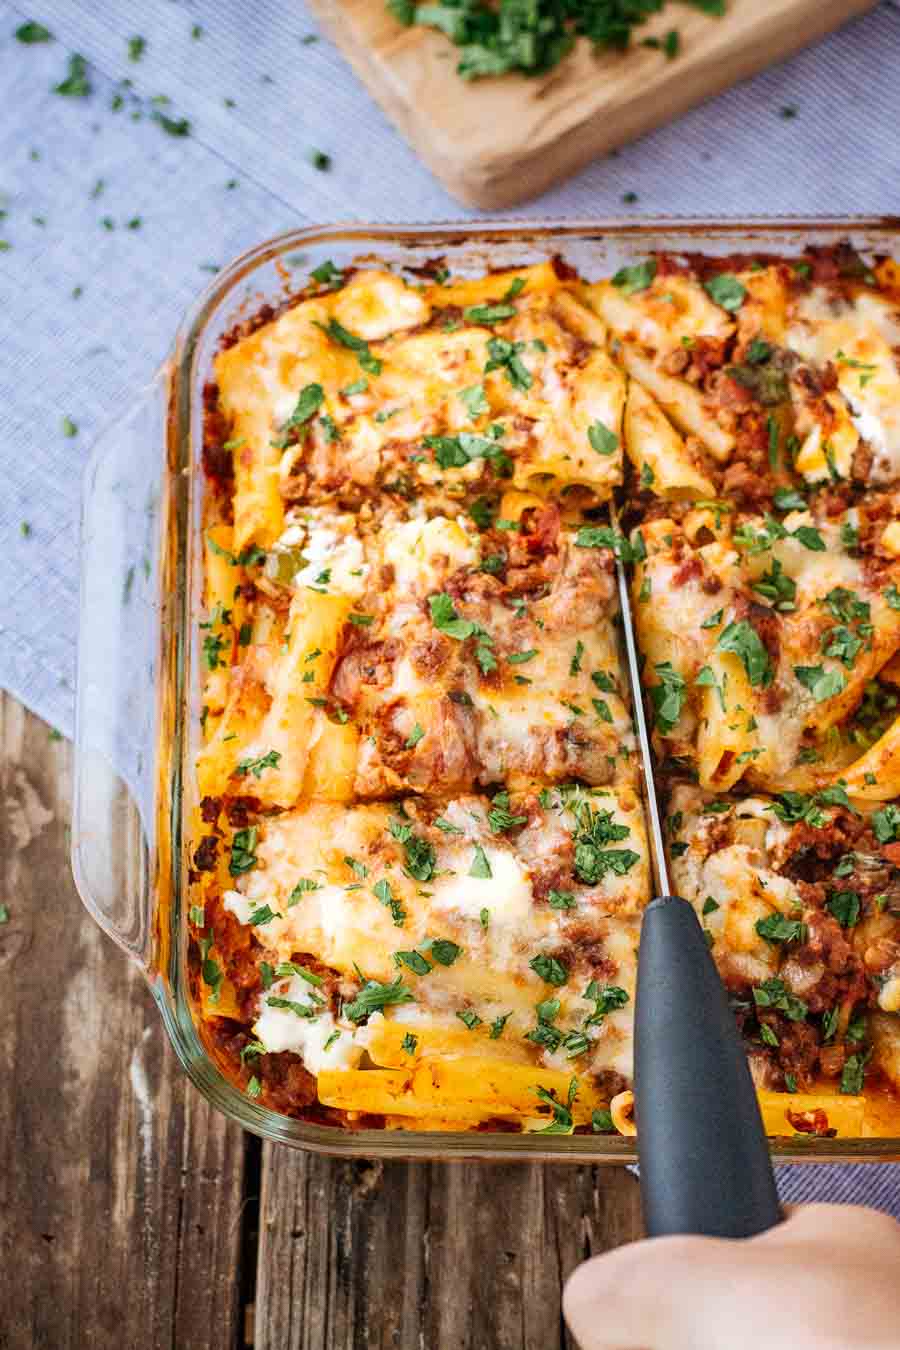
[75,172]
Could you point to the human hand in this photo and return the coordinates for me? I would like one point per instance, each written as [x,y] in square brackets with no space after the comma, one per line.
[828,1278]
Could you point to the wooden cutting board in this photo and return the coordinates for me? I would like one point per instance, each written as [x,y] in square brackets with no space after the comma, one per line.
[499,141]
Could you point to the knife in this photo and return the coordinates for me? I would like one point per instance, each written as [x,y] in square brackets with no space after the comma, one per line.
[705,1164]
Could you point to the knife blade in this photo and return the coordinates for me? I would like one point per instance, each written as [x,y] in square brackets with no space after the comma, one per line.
[705,1164]
[648,782]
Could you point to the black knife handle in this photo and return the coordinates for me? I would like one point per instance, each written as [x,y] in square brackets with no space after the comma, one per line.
[705,1165]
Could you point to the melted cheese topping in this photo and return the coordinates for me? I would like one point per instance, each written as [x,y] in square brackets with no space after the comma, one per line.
[413,683]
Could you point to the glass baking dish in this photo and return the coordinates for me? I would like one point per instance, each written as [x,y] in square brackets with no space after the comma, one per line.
[137,719]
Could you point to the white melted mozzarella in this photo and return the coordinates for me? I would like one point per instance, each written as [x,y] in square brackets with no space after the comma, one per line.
[238,905]
[505,894]
[340,555]
[423,552]
[283,1029]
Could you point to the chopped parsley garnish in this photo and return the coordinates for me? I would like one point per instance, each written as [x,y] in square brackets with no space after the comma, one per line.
[742,639]
[777,586]
[594,830]
[561,899]
[845,906]
[549,969]
[263,914]
[842,644]
[635,278]
[758,351]
[772,993]
[493,564]
[303,885]
[469,1019]
[257,766]
[209,970]
[213,646]
[846,606]
[498,1025]
[789,499]
[305,1010]
[503,355]
[776,928]
[726,290]
[288,968]
[821,683]
[790,807]
[373,996]
[338,333]
[243,851]
[383,892]
[667,696]
[480,866]
[854,1072]
[419,854]
[886,824]
[499,816]
[454,452]
[474,400]
[444,951]
[446,620]
[604,681]
[326,274]
[482,512]
[604,441]
[489,314]
[414,961]
[414,737]
[849,536]
[575,664]
[562,1114]
[409,1043]
[606,998]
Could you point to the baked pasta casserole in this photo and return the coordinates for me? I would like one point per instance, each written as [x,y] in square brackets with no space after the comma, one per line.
[419,859]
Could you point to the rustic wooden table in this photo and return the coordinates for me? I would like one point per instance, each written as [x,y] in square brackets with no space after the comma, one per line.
[132,1214]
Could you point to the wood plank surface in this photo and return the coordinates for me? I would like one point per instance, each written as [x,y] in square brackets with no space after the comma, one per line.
[427,1256]
[495,142]
[121,1191]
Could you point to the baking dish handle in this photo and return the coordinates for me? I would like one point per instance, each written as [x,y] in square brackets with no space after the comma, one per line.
[123,612]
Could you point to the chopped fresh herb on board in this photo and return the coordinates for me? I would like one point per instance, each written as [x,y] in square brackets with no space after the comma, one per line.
[534,37]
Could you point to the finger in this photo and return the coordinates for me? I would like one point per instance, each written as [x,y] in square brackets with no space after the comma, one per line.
[823,1224]
[625,1300]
